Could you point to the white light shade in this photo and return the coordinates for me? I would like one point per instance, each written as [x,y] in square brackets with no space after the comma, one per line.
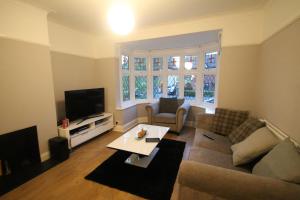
[188,65]
[121,19]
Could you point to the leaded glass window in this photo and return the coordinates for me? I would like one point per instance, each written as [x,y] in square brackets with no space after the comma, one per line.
[190,87]
[173,62]
[211,60]
[125,62]
[157,63]
[141,87]
[190,62]
[209,88]
[140,64]
[157,87]
[126,88]
[173,86]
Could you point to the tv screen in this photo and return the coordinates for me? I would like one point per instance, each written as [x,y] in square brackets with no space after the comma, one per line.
[83,103]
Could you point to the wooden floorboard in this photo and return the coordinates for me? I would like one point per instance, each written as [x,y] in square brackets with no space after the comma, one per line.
[66,180]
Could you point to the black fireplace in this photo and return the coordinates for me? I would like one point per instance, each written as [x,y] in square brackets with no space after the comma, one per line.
[20,158]
[19,150]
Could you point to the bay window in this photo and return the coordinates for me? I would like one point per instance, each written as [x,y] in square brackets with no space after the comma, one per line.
[145,76]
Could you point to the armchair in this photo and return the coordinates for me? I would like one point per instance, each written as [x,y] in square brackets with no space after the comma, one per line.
[168,112]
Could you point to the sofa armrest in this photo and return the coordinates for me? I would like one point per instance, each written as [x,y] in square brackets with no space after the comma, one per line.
[230,184]
[152,109]
[204,121]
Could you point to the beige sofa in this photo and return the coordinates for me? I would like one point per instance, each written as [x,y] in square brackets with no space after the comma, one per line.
[173,117]
[210,174]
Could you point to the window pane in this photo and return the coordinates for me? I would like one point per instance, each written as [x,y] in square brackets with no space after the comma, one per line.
[173,86]
[173,62]
[157,87]
[211,60]
[190,87]
[190,62]
[209,89]
[157,63]
[141,87]
[126,88]
[125,62]
[140,64]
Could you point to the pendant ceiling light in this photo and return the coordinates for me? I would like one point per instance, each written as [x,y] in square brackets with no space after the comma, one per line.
[121,19]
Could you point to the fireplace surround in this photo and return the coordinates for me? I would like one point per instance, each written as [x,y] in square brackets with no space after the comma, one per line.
[20,158]
[19,150]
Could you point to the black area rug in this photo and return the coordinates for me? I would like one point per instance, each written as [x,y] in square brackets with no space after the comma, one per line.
[154,182]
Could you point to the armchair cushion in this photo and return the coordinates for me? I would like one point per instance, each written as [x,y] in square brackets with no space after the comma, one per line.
[168,118]
[168,105]
[226,120]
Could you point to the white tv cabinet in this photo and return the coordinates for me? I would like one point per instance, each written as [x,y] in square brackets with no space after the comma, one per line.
[90,128]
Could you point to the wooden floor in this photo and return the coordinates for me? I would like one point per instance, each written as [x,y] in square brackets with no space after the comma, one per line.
[66,180]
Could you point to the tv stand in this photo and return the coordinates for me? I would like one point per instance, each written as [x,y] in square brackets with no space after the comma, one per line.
[83,130]
[89,117]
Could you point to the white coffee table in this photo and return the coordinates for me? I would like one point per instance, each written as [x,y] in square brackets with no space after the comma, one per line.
[142,152]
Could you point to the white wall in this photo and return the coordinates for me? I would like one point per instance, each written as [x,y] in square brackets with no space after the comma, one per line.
[26,82]
[66,40]
[278,14]
[23,22]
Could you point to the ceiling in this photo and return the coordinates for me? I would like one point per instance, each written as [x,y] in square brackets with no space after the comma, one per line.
[90,15]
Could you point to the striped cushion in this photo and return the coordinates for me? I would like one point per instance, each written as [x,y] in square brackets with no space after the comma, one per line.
[225,120]
[245,129]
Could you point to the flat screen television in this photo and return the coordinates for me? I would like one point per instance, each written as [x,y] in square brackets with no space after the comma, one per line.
[82,104]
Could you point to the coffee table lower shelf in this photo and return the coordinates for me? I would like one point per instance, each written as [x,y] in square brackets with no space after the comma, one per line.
[141,161]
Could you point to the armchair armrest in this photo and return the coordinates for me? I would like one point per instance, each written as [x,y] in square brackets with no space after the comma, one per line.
[204,121]
[152,109]
[183,109]
[181,115]
[230,184]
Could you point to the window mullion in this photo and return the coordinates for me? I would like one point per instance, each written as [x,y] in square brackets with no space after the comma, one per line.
[132,79]
[181,74]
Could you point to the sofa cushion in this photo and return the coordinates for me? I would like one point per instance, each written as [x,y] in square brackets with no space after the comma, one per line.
[282,162]
[225,120]
[168,118]
[212,157]
[219,143]
[258,143]
[169,105]
[245,129]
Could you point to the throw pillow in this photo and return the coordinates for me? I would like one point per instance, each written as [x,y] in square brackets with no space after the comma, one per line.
[258,143]
[245,129]
[282,162]
[168,105]
[226,120]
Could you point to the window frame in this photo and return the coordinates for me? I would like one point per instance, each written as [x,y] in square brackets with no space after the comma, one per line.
[199,73]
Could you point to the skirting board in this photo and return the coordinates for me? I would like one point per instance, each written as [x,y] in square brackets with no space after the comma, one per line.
[131,124]
[45,156]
